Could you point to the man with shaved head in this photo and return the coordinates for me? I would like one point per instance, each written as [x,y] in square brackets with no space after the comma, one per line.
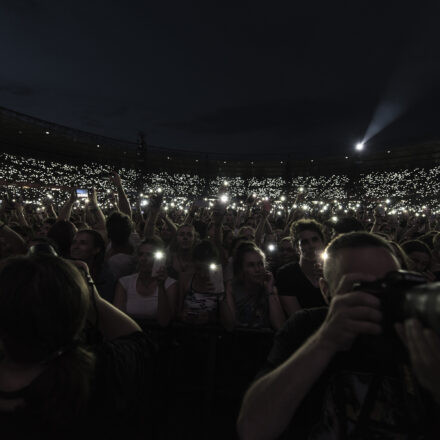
[333,373]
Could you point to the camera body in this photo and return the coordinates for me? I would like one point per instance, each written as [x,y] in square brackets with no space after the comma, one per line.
[42,249]
[403,295]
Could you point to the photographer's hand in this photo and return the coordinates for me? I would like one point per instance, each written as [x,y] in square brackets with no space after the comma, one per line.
[424,350]
[350,314]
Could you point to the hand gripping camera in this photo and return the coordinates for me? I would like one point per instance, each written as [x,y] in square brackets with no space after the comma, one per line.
[403,295]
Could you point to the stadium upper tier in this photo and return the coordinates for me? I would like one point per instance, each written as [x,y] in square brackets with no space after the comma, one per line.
[29,136]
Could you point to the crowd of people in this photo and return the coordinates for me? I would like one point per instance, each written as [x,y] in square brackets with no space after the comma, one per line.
[89,253]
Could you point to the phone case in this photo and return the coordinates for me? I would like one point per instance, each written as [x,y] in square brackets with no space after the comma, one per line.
[217,280]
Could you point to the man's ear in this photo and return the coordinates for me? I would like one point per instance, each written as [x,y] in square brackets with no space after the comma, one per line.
[325,289]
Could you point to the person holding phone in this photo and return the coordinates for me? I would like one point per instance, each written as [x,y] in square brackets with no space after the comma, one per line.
[149,293]
[199,296]
[251,296]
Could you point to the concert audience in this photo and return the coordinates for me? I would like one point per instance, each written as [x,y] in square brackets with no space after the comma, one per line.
[265,236]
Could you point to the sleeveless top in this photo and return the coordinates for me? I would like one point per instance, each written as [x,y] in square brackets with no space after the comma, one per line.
[138,305]
[196,302]
[251,310]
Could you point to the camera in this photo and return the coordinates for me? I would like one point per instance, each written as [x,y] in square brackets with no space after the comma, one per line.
[42,249]
[403,295]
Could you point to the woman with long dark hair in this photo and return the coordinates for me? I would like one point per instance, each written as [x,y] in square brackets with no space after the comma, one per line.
[251,297]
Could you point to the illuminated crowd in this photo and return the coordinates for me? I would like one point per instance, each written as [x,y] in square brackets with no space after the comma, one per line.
[180,255]
[406,190]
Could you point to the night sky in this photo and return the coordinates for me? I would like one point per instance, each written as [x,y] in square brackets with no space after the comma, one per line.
[309,78]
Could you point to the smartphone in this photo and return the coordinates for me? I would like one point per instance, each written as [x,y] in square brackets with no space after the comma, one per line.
[159,263]
[271,247]
[82,193]
[216,277]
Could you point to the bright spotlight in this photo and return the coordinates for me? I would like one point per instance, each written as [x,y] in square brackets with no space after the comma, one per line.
[359,146]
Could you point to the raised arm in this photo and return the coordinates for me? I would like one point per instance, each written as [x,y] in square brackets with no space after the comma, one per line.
[14,240]
[123,203]
[168,221]
[66,209]
[94,209]
[265,211]
[153,215]
[218,216]
[112,322]
[50,210]
[189,219]
[19,211]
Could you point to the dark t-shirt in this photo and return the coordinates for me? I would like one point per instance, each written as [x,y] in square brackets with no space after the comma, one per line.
[291,281]
[122,387]
[365,393]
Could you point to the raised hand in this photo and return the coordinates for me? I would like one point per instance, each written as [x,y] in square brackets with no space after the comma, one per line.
[115,179]
[93,199]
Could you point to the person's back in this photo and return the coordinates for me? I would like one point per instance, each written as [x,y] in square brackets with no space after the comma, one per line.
[55,381]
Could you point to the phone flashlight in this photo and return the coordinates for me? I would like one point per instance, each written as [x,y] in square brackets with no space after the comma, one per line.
[224,198]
